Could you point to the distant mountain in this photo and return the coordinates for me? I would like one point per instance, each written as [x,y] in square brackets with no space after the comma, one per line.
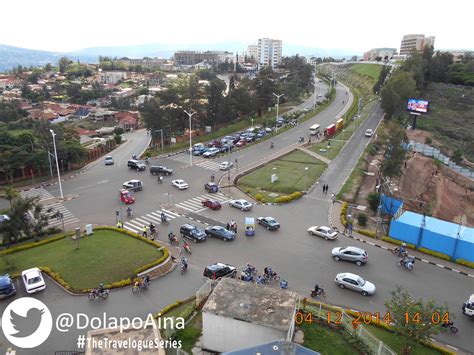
[13,56]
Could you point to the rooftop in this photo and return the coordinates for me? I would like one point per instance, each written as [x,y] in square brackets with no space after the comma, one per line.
[248,302]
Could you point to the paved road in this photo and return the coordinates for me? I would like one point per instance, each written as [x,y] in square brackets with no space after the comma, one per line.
[298,257]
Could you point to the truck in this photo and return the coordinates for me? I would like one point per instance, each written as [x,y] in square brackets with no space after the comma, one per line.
[330,130]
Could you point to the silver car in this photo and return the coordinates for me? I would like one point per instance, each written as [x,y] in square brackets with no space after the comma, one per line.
[242,204]
[355,282]
[354,254]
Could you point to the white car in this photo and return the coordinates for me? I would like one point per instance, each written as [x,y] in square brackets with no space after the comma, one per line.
[109,160]
[211,152]
[355,282]
[242,205]
[33,280]
[180,184]
[369,133]
[226,165]
[323,231]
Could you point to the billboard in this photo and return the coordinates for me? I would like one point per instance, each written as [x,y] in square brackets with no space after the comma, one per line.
[418,105]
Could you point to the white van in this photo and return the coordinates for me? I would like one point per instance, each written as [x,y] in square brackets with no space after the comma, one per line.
[314,129]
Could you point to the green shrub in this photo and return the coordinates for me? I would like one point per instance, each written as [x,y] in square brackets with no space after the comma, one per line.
[465,263]
[118,139]
[397,242]
[373,199]
[366,233]
[343,213]
[263,200]
[435,253]
[362,219]
[428,140]
[259,197]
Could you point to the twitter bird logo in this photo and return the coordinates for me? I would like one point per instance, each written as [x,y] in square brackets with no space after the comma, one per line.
[26,326]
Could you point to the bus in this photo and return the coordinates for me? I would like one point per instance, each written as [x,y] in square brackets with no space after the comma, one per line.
[314,129]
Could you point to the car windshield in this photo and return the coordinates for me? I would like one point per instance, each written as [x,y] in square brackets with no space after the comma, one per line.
[361,281]
[127,195]
[271,221]
[34,280]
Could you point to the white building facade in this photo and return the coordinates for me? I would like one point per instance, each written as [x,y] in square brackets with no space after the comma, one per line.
[415,42]
[269,52]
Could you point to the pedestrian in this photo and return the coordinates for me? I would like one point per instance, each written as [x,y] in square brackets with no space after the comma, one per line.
[119,225]
[350,228]
[227,226]
[309,140]
[333,198]
[145,231]
[405,164]
[324,188]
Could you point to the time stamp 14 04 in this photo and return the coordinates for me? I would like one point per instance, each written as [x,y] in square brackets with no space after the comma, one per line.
[358,318]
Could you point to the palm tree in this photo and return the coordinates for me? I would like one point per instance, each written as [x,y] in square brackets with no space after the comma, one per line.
[10,194]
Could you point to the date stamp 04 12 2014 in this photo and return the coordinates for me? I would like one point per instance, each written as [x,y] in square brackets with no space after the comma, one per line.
[359,318]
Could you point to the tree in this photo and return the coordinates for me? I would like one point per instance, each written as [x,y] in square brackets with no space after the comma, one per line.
[20,219]
[215,101]
[396,93]
[39,221]
[415,320]
[457,156]
[64,62]
[48,67]
[10,194]
[373,199]
[395,151]
[231,83]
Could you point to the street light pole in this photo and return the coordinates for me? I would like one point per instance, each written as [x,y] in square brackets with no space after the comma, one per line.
[57,163]
[358,108]
[278,104]
[305,172]
[190,144]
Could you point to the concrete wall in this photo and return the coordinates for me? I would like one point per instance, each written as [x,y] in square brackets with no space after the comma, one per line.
[225,334]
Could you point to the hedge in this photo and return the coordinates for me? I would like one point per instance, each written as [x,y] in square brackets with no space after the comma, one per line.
[465,263]
[34,244]
[259,197]
[287,198]
[398,242]
[435,253]
[366,232]
[56,277]
[343,213]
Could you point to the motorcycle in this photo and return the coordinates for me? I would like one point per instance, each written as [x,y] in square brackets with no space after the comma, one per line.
[164,220]
[272,277]
[173,240]
[398,252]
[407,263]
[140,285]
[95,293]
[319,293]
[284,285]
[451,326]
[184,267]
[129,213]
[251,270]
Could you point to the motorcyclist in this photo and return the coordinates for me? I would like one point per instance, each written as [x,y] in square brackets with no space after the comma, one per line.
[152,228]
[268,272]
[318,290]
[260,280]
[284,284]
[134,156]
[186,246]
[171,236]
[402,249]
[250,269]
[147,160]
[408,262]
[271,144]
[100,289]
[160,178]
[184,262]
[146,280]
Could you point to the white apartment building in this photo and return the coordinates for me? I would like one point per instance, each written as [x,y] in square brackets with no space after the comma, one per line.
[269,52]
[112,77]
[415,42]
[379,52]
[252,51]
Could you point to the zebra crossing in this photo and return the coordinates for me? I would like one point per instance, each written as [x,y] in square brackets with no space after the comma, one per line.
[57,212]
[195,204]
[136,223]
[208,164]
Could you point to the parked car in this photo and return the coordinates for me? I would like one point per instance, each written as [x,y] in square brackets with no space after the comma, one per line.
[226,147]
[369,133]
[468,307]
[241,143]
[354,254]
[7,287]
[219,270]
[180,184]
[133,185]
[268,222]
[126,197]
[192,232]
[269,129]
[219,232]
[261,134]
[211,187]
[250,137]
[199,151]
[214,143]
[136,164]
[355,282]
[33,280]
[160,169]
[226,165]
[109,160]
[4,218]
[323,231]
[198,146]
[212,204]
[211,152]
[241,204]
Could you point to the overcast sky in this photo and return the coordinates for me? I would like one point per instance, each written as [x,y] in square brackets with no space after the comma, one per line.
[62,25]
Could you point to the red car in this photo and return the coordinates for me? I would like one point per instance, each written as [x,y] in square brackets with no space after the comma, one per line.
[241,143]
[126,197]
[212,204]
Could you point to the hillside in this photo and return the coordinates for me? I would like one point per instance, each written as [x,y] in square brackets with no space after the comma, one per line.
[451,118]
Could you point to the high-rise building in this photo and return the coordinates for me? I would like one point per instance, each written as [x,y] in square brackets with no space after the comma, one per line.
[415,42]
[252,52]
[269,52]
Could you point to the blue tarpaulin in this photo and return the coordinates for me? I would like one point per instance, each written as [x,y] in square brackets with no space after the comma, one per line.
[390,205]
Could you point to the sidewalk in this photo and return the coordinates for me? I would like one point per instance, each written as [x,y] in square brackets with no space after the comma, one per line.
[335,222]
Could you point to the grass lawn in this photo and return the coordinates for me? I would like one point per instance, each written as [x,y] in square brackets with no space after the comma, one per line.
[106,256]
[291,173]
[395,341]
[371,70]
[191,333]
[325,340]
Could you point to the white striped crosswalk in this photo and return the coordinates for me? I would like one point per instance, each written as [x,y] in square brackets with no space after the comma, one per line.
[195,204]
[137,223]
[208,164]
[57,212]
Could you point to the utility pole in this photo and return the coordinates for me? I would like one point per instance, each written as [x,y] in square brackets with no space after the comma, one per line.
[190,144]
[57,163]
[278,104]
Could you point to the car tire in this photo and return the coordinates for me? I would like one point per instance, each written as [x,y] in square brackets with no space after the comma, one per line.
[268,228]
[242,209]
[341,286]
[337,258]
[326,238]
[364,293]
[359,263]
[195,240]
[138,169]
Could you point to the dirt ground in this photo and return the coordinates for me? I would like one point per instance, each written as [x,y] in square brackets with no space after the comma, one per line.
[427,188]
